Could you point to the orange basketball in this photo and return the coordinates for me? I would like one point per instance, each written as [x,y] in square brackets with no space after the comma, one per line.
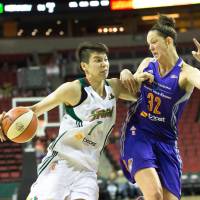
[20,124]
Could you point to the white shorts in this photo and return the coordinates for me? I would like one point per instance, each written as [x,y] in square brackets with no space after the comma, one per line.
[63,182]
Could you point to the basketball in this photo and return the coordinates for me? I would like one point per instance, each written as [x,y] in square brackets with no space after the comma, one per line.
[20,124]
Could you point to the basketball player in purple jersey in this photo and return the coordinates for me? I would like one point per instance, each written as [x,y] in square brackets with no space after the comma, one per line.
[149,152]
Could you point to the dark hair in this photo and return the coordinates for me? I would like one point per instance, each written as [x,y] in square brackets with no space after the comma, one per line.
[85,49]
[166,27]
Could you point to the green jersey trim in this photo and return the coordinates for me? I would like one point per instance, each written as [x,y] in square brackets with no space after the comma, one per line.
[70,109]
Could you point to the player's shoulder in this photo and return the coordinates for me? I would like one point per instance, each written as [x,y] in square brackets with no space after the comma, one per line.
[71,84]
[186,68]
[72,87]
[145,63]
[148,60]
[70,92]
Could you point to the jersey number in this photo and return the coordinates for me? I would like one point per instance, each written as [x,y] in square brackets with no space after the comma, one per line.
[153,103]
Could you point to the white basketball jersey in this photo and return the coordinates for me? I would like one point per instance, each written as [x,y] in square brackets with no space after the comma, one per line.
[84,129]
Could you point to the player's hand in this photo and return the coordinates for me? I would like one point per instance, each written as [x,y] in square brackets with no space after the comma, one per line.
[133,82]
[128,81]
[144,76]
[2,136]
[196,54]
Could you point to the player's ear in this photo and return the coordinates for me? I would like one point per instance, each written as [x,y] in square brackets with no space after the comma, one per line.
[83,66]
[169,40]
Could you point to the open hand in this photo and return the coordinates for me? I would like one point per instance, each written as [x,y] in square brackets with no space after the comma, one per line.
[144,76]
[133,82]
[196,54]
[128,81]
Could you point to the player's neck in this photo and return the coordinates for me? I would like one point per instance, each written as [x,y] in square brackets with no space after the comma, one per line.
[168,62]
[98,86]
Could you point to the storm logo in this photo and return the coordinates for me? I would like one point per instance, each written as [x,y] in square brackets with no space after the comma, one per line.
[101,113]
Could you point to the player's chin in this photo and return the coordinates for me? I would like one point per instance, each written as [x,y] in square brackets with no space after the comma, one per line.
[103,75]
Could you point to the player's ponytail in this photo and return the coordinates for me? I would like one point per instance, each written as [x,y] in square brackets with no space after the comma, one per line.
[166,27]
[163,20]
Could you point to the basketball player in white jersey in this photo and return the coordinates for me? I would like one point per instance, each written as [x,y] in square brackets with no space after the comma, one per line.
[68,172]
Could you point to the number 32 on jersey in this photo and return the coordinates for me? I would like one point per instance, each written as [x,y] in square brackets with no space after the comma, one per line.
[154,103]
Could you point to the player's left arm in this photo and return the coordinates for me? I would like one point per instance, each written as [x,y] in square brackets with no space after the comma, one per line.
[193,76]
[120,91]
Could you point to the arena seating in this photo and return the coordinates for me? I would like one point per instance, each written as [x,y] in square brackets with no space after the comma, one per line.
[10,161]
[189,135]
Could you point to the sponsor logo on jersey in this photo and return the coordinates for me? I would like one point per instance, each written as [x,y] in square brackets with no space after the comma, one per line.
[101,113]
[152,117]
[79,136]
[133,130]
[90,142]
[144,114]
[155,118]
[156,84]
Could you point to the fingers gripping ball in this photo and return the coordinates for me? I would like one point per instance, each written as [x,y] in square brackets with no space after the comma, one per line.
[20,124]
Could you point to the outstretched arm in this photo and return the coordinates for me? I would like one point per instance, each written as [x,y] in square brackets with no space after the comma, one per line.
[196,54]
[68,93]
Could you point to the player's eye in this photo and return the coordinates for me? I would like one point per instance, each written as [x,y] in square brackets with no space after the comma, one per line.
[98,60]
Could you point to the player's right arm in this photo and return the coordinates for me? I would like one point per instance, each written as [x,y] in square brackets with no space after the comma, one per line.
[68,93]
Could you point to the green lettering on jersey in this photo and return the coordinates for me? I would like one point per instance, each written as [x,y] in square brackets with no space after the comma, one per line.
[101,113]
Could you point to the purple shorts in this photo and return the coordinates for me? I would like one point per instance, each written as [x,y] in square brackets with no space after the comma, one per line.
[140,151]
